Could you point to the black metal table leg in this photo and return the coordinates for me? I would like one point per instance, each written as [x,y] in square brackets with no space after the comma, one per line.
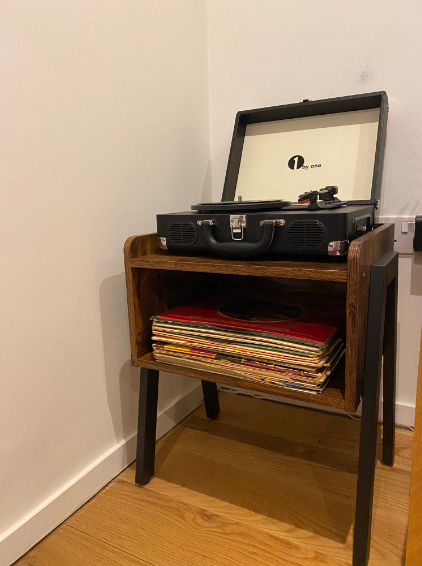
[389,374]
[212,405]
[147,425]
[383,273]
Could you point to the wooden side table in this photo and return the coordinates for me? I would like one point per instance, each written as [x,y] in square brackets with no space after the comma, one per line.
[158,281]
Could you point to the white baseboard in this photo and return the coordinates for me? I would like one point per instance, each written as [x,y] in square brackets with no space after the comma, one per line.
[179,409]
[405,414]
[50,513]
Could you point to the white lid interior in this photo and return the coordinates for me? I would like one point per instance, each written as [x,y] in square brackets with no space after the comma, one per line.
[337,149]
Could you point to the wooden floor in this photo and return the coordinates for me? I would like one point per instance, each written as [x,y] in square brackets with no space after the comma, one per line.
[265,484]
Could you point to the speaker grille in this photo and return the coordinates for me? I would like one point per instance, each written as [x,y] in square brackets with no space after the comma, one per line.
[182,233]
[306,234]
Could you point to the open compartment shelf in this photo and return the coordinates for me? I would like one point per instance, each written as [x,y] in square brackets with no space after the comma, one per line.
[332,396]
[158,281]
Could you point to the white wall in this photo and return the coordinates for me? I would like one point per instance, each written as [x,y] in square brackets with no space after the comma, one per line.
[104,123]
[275,52]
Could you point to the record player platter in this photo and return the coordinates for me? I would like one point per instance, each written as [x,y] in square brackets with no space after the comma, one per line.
[241,206]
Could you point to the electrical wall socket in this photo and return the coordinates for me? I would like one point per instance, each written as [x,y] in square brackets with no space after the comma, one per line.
[403,233]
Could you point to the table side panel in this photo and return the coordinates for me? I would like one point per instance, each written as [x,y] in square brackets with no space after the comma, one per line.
[134,313]
[363,253]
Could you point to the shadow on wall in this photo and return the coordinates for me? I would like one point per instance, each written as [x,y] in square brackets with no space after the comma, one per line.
[416,275]
[206,195]
[121,379]
[219,166]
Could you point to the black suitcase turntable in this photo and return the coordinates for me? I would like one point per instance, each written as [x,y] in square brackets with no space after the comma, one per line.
[284,153]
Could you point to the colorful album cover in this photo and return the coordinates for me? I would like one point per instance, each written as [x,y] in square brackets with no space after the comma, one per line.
[301,317]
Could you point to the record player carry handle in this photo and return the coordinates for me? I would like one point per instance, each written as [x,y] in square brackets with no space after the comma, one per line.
[238,248]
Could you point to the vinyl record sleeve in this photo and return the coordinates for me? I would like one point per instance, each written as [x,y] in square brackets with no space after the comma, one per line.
[300,317]
[241,375]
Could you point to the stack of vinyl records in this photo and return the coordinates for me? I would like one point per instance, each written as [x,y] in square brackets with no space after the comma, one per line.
[294,341]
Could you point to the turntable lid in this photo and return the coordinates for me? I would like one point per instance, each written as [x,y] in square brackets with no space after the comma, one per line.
[283,151]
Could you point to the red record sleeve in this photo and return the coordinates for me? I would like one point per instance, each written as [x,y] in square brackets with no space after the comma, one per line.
[296,316]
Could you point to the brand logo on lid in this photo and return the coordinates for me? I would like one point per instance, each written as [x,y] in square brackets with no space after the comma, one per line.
[298,162]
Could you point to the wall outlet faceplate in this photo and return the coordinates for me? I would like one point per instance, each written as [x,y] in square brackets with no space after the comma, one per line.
[403,233]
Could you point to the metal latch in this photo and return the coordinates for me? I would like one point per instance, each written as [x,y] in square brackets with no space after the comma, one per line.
[237,225]
[162,243]
[338,248]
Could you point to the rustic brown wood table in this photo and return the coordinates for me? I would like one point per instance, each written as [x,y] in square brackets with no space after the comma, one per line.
[158,281]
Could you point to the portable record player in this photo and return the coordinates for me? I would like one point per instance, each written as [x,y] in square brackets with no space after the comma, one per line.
[280,157]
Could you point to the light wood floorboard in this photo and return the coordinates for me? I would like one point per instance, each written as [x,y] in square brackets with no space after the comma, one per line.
[68,547]
[265,484]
